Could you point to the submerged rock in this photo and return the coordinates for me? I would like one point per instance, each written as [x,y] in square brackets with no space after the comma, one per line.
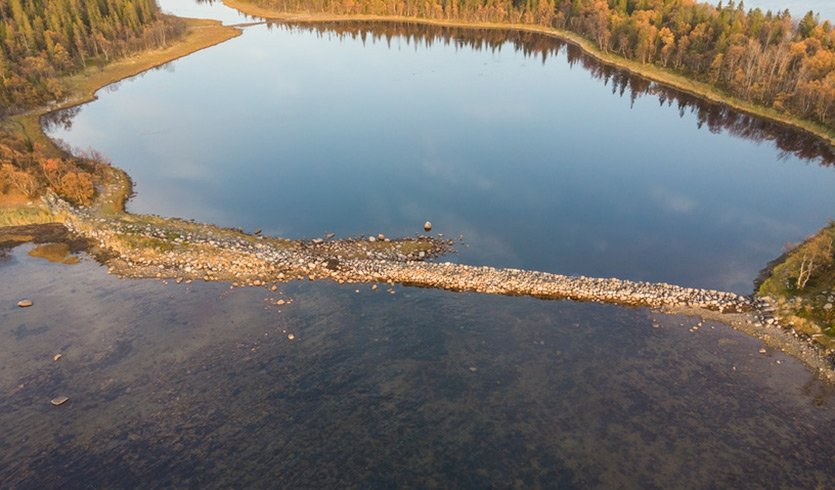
[59,400]
[427,226]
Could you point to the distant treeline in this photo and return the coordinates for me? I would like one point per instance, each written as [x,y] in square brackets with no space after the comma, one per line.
[763,57]
[42,40]
[715,117]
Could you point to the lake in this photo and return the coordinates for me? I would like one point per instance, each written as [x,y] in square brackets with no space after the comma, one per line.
[303,131]
[540,159]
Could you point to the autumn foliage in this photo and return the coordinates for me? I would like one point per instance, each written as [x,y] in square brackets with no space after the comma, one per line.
[42,40]
[768,58]
[26,170]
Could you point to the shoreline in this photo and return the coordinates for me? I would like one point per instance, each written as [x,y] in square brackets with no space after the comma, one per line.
[83,86]
[152,247]
[650,72]
[200,34]
[143,247]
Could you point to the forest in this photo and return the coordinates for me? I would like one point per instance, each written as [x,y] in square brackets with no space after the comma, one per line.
[767,58]
[42,41]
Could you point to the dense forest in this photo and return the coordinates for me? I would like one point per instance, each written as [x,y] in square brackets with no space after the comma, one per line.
[767,58]
[43,40]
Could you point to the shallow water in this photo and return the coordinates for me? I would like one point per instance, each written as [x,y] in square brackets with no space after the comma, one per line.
[198,385]
[174,385]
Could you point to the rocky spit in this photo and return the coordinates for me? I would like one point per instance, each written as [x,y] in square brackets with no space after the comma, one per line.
[517,282]
[168,248]
[184,250]
[152,247]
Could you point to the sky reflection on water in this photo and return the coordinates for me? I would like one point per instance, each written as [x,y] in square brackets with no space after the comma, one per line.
[303,131]
[198,385]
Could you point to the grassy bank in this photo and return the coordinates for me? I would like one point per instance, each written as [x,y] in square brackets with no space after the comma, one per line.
[801,285]
[661,75]
[31,213]
[200,34]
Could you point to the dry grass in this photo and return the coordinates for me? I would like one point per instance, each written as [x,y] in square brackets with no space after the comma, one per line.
[17,210]
[13,199]
[25,215]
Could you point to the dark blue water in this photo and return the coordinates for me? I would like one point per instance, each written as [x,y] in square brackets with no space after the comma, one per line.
[538,165]
[303,131]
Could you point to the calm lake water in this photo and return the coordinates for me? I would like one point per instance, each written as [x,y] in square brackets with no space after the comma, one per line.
[540,159]
[302,131]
